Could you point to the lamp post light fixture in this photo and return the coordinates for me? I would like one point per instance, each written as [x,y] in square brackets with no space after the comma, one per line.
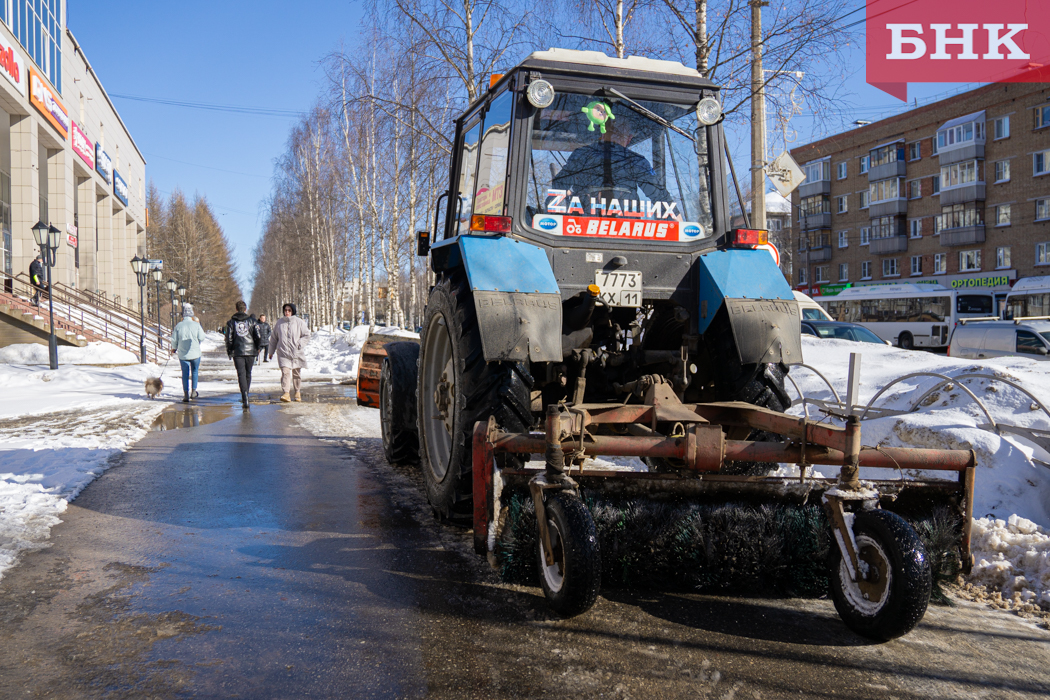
[157,274]
[182,297]
[170,284]
[48,240]
[140,266]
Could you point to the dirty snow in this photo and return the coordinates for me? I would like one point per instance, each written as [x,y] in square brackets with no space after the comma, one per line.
[95,353]
[338,353]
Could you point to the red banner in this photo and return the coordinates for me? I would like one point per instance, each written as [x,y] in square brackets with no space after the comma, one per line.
[593,227]
[964,41]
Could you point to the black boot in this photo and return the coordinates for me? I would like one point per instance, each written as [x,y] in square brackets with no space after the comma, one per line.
[244,399]
[185,397]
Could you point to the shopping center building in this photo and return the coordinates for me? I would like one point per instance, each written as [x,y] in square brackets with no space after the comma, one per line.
[955,192]
[66,158]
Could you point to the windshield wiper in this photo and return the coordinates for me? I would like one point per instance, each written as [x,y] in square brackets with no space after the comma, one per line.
[648,113]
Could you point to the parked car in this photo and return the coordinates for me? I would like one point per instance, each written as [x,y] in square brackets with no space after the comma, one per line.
[841,330]
[981,339]
[810,309]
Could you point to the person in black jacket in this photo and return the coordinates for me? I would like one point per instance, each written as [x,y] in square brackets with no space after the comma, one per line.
[264,333]
[36,278]
[242,346]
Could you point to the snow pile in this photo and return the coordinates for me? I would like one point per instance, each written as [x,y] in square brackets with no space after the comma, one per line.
[1012,490]
[95,353]
[332,351]
[213,341]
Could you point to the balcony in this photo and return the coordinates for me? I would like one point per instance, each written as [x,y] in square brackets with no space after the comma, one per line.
[891,244]
[957,154]
[821,254]
[963,235]
[880,172]
[808,189]
[890,207]
[973,192]
[812,222]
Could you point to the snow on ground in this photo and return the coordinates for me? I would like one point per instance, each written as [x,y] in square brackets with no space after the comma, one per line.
[338,352]
[95,353]
[1011,530]
[213,341]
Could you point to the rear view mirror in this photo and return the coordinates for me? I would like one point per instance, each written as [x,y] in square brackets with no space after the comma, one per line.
[422,243]
[1042,351]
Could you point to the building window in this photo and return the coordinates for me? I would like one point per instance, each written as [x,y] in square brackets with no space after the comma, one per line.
[775,225]
[1002,171]
[865,270]
[884,190]
[933,143]
[843,272]
[914,151]
[864,164]
[801,275]
[916,265]
[1041,163]
[959,174]
[969,260]
[1002,128]
[820,274]
[1042,253]
[864,199]
[940,263]
[935,185]
[1042,209]
[840,169]
[890,268]
[814,205]
[960,216]
[843,239]
[1002,258]
[865,235]
[1042,116]
[915,228]
[886,227]
[886,154]
[818,172]
[960,134]
[39,26]
[842,204]
[1002,215]
[914,189]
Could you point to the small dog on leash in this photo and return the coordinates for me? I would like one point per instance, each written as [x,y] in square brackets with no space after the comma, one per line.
[154,386]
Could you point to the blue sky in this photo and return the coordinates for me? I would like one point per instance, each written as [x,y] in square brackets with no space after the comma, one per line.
[265,54]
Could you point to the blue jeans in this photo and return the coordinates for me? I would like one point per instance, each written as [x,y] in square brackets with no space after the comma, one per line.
[188,366]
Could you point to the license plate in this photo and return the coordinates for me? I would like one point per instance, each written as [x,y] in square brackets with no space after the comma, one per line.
[619,287]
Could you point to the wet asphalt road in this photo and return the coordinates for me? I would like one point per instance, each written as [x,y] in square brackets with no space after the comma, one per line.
[247,558]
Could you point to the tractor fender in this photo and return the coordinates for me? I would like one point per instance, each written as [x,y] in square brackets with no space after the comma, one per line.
[761,308]
[516,295]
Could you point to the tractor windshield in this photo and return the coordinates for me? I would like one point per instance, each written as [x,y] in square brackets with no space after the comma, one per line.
[601,169]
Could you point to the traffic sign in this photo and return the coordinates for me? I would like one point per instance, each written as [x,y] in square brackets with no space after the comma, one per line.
[773,250]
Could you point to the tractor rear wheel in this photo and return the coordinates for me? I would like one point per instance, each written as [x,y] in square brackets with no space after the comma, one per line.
[397,403]
[458,388]
[767,390]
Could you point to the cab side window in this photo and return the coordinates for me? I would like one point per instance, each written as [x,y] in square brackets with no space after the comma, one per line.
[495,147]
[1030,343]
[463,203]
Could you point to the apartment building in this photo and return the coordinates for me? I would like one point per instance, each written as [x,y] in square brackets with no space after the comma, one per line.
[956,192]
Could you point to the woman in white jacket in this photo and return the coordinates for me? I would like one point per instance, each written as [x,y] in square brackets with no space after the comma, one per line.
[186,340]
[288,341]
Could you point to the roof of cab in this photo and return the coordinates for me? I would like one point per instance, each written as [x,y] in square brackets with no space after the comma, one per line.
[565,59]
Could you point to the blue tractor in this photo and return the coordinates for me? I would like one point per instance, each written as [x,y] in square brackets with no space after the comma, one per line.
[591,297]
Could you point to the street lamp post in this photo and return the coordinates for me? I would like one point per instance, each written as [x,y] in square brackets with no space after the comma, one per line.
[157,274]
[170,284]
[139,265]
[182,297]
[47,238]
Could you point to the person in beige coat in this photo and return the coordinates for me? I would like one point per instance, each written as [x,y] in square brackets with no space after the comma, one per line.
[288,341]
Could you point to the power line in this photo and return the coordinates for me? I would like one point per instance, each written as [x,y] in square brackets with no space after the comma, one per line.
[213,107]
[207,167]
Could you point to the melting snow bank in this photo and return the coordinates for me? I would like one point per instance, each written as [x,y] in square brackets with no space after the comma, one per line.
[1010,539]
[338,352]
[95,353]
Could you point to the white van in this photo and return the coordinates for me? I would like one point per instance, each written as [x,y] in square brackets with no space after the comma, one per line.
[811,310]
[976,340]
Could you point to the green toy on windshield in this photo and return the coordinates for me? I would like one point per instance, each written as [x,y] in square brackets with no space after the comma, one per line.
[598,114]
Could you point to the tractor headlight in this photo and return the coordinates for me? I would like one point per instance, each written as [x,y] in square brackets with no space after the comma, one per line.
[540,94]
[708,111]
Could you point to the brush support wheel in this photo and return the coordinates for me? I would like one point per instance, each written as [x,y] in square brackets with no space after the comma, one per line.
[397,403]
[572,583]
[892,598]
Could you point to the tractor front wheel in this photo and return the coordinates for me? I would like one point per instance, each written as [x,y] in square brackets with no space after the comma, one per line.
[397,403]
[572,581]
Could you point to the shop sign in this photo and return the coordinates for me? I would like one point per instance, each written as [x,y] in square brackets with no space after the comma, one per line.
[12,67]
[103,163]
[82,145]
[1000,279]
[48,105]
[830,290]
[71,235]
[120,188]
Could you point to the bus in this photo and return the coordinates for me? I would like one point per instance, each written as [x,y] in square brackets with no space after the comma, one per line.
[909,315]
[1028,297]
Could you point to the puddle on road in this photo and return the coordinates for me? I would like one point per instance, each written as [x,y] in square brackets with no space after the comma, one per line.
[183,416]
